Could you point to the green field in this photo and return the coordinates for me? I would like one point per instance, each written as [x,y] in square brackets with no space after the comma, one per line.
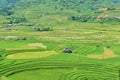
[34,37]
[40,56]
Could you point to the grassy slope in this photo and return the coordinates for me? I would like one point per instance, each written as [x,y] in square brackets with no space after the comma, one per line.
[82,38]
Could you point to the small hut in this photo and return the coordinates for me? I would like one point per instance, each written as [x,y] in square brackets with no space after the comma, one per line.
[67,50]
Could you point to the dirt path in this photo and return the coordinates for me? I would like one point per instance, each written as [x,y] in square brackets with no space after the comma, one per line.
[105,55]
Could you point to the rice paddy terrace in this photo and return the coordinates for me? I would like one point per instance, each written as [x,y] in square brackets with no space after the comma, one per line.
[39,55]
[59,40]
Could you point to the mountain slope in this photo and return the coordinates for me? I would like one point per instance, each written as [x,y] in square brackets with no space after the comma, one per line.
[38,10]
[8,2]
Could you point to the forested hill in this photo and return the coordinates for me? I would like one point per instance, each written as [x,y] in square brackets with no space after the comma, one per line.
[79,6]
[8,2]
[66,3]
[30,9]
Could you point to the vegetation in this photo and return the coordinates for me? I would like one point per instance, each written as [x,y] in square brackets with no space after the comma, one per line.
[100,19]
[59,39]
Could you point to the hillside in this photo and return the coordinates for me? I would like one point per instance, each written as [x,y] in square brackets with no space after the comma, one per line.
[8,2]
[59,39]
[37,10]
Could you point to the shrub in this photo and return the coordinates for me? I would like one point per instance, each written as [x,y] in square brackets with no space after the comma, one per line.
[107,46]
[14,20]
[99,19]
[44,29]
[97,46]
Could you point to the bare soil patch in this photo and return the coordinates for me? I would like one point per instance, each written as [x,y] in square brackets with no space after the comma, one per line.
[105,55]
[41,45]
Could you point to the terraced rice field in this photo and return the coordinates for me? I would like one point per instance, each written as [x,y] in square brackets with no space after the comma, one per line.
[28,55]
[106,54]
[95,53]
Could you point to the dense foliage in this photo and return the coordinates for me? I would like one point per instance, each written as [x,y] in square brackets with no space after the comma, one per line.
[40,8]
